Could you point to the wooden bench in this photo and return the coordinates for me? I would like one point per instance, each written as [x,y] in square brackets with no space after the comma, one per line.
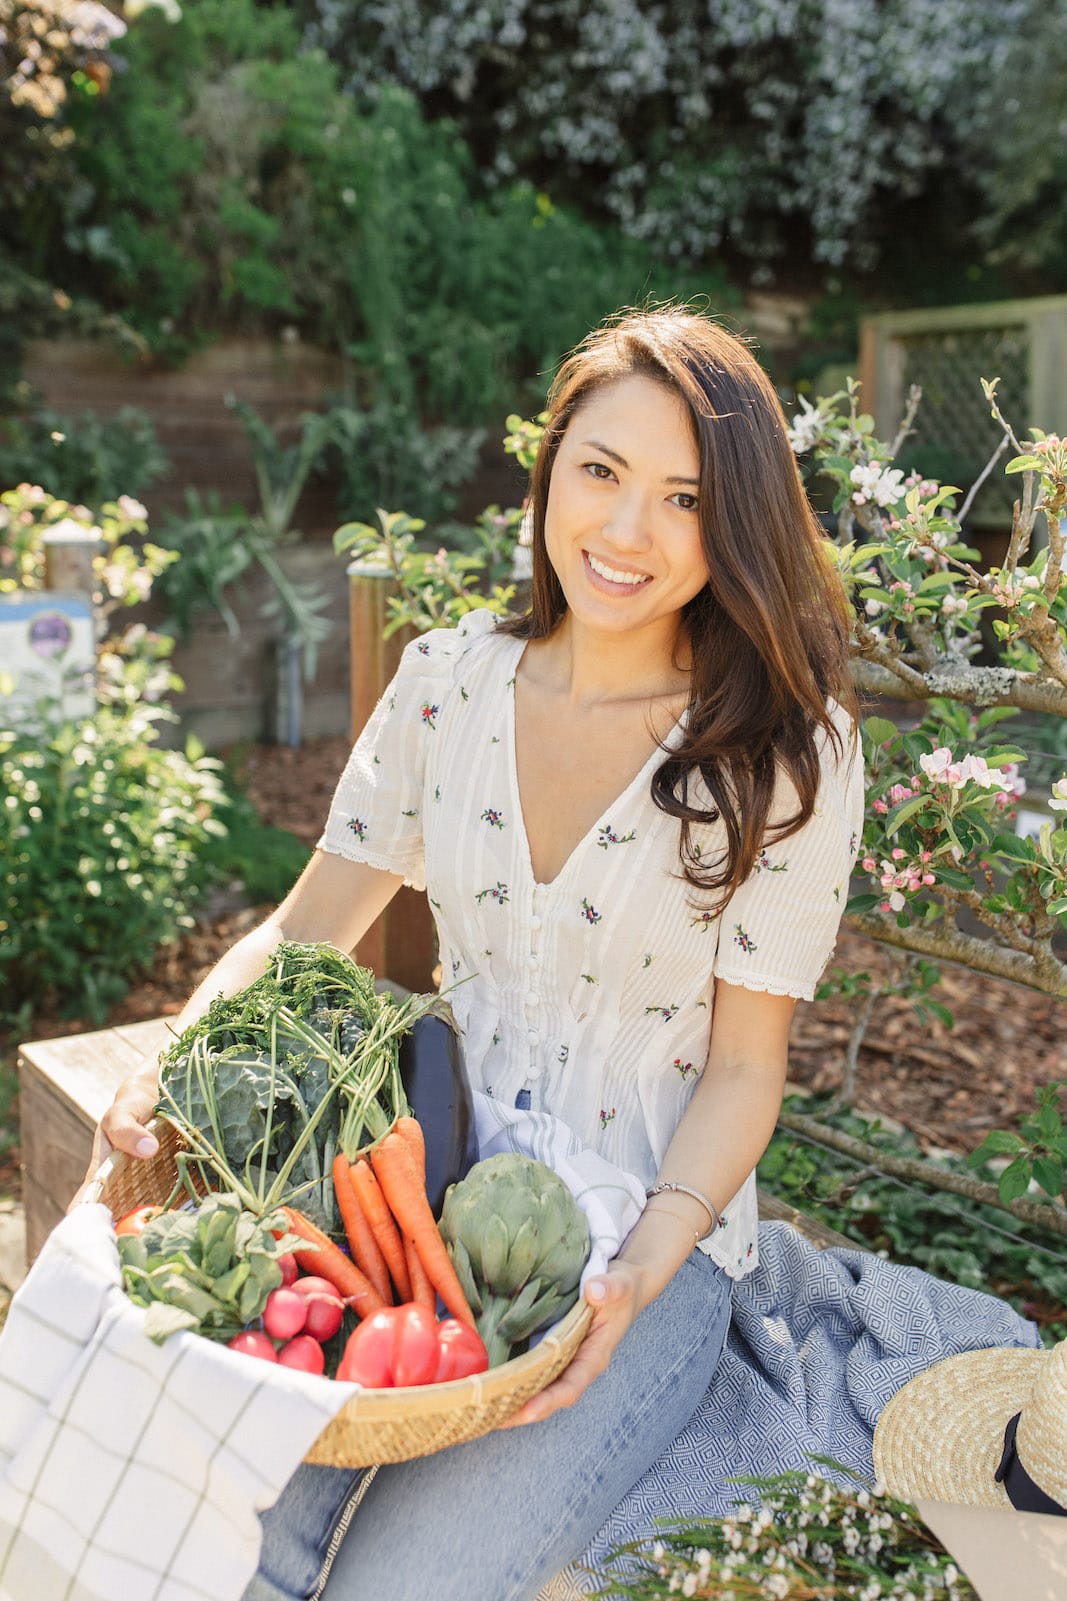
[65,1086]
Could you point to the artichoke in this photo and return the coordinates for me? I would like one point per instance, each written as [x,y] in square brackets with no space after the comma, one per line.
[518,1242]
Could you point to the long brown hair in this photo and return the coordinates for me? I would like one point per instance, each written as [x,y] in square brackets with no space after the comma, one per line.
[769,631]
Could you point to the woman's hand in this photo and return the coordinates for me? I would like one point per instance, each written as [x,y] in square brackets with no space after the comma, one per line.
[123,1125]
[616,1300]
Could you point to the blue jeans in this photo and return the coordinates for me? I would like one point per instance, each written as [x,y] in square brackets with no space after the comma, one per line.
[495,1518]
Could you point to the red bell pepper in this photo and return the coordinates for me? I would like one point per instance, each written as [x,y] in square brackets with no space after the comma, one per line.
[395,1346]
[460,1351]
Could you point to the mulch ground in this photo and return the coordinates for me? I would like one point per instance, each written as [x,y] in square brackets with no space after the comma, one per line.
[947,1086]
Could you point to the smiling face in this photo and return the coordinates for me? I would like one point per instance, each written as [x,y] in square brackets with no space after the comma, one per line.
[622,528]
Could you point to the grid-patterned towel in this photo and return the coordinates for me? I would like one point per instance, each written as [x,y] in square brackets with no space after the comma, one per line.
[130,1470]
[134,1472]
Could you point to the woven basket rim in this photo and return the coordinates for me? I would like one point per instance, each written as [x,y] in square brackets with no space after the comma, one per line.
[394,1404]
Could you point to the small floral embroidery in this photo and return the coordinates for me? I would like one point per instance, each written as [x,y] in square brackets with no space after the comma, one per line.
[414,812]
[455,966]
[435,904]
[853,841]
[489,1089]
[494,739]
[357,826]
[437,792]
[498,893]
[608,836]
[723,1222]
[428,715]
[704,921]
[564,1052]
[463,693]
[589,912]
[649,959]
[590,978]
[765,865]
[746,942]
[496,1041]
[494,818]
[606,1117]
[684,1068]
[423,647]
[377,759]
[510,682]
[391,703]
[837,892]
[666,1012]
[486,955]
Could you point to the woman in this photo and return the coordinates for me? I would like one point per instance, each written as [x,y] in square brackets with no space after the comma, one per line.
[635,810]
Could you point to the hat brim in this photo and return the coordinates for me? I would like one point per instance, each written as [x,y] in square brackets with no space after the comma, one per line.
[942,1435]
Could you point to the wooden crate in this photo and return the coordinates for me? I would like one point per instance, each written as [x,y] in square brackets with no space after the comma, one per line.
[66,1085]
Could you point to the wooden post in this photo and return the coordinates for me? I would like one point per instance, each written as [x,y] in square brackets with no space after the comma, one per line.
[68,558]
[402,944]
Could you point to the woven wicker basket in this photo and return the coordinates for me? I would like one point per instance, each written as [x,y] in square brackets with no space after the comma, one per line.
[376,1425]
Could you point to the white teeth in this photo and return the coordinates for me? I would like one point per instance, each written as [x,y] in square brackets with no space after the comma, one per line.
[613,576]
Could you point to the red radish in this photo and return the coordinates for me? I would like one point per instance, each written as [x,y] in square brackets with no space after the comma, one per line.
[253,1342]
[324,1314]
[313,1286]
[284,1314]
[290,1269]
[303,1353]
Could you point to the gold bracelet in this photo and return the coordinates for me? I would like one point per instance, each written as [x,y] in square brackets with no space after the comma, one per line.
[685,1189]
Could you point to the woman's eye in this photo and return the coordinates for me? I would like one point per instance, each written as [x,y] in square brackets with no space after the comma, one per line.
[692,499]
[598,468]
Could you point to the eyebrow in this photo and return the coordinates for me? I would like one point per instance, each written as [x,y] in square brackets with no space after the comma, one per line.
[614,455]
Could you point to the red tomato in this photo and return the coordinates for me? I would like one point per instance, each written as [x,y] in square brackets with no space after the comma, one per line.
[460,1351]
[134,1221]
[396,1346]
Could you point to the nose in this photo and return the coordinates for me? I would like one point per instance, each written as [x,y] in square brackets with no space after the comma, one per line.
[627,529]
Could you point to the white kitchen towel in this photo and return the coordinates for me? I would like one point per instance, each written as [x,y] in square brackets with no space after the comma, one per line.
[129,1470]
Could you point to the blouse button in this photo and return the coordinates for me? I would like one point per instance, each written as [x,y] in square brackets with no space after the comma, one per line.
[535,921]
[535,958]
[532,1035]
[532,999]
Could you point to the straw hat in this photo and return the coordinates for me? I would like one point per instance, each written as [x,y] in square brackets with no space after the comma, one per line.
[949,1432]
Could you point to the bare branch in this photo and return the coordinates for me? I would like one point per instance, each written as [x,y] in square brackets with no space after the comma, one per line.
[846,1091]
[980,480]
[1048,1215]
[915,394]
[962,681]
[1042,971]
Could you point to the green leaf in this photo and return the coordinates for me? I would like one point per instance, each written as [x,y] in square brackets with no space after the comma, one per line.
[907,809]
[1023,464]
[998,1142]
[1057,908]
[879,729]
[1048,1171]
[1015,1180]
[1019,850]
[863,903]
[1001,757]
[162,1320]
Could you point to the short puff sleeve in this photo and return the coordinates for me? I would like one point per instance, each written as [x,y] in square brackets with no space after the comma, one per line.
[376,812]
[779,928]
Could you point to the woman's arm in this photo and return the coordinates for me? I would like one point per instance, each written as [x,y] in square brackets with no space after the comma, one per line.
[334,901]
[722,1135]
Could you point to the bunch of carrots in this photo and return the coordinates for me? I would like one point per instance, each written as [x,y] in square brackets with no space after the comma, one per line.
[398,1255]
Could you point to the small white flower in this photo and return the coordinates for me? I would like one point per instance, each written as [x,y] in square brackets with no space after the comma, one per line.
[1058,800]
[872,607]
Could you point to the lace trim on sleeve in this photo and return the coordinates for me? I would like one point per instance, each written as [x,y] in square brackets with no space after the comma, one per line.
[800,989]
[358,853]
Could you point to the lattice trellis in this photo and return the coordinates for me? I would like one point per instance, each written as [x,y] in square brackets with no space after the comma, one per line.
[947,352]
[954,434]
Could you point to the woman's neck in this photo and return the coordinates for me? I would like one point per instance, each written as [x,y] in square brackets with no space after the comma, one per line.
[586,668]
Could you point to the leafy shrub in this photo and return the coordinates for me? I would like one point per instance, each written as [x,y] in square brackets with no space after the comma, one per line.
[101,832]
[87,460]
[751,121]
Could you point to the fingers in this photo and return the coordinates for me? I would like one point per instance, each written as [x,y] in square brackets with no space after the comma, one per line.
[123,1126]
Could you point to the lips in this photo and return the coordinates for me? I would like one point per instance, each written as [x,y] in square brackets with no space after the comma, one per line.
[610,579]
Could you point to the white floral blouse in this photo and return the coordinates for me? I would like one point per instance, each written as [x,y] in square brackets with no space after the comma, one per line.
[589,997]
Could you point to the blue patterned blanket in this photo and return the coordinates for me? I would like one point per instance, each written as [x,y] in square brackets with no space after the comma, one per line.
[819,1342]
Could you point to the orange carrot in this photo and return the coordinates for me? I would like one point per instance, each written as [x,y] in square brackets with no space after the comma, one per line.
[376,1210]
[398,1176]
[329,1262]
[410,1131]
[364,1247]
[421,1288]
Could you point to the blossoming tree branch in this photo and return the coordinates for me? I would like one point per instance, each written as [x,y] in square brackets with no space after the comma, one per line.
[936,839]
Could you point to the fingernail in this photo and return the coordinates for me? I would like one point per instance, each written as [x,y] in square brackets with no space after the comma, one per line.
[596,1291]
[146,1146]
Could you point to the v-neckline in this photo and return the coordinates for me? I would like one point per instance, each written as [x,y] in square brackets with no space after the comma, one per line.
[516,795]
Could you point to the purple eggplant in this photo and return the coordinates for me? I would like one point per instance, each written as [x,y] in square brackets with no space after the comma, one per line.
[436,1085]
